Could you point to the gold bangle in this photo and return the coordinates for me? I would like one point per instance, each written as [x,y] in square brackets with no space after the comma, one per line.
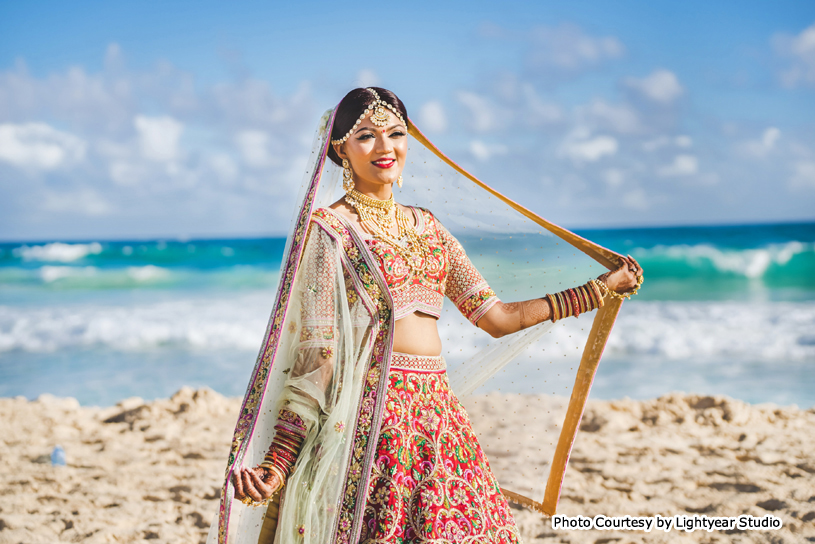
[581,297]
[597,300]
[276,470]
[597,292]
[567,308]
[550,298]
[589,300]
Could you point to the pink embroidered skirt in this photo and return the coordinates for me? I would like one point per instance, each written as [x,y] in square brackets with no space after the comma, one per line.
[431,481]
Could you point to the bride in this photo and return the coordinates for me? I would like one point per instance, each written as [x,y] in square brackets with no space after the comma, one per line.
[350,431]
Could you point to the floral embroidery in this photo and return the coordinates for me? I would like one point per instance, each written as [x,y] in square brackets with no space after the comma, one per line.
[353,496]
[447,271]
[431,481]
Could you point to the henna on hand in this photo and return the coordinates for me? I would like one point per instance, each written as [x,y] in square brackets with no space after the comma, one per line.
[237,481]
[623,278]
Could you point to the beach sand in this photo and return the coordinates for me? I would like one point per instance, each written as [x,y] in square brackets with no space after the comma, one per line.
[152,471]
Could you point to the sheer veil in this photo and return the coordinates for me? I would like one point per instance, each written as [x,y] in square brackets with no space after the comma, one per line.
[520,254]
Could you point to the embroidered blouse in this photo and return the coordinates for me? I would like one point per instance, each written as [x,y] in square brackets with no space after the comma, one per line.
[447,272]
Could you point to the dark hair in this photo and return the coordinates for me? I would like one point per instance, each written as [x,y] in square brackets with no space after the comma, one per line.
[352,106]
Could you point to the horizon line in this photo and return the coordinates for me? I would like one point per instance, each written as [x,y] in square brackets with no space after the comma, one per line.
[258,236]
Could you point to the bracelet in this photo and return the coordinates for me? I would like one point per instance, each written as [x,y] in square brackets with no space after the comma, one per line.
[577,300]
[249,501]
[280,476]
[285,447]
[615,294]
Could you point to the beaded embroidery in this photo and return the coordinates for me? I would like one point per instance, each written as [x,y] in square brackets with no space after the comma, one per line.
[417,363]
[446,270]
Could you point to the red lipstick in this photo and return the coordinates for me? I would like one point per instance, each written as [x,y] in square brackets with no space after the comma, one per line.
[384,163]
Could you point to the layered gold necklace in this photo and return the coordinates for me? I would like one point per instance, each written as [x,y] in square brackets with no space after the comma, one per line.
[378,216]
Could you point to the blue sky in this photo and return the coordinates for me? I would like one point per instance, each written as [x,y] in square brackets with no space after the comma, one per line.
[146,119]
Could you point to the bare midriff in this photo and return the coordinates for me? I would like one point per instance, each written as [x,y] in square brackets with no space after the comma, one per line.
[417,334]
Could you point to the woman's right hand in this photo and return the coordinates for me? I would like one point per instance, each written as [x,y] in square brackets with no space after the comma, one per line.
[256,483]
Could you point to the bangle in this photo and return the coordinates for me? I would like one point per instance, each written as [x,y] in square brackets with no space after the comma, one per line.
[576,300]
[575,304]
[280,476]
[555,315]
[596,293]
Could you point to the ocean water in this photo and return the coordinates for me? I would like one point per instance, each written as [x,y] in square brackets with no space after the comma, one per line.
[724,310]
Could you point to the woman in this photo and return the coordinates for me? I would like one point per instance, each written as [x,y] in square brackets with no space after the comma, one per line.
[370,444]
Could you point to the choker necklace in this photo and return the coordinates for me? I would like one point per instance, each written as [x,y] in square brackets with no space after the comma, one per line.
[376,215]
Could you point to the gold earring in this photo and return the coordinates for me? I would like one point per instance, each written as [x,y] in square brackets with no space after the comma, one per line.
[347,176]
[399,180]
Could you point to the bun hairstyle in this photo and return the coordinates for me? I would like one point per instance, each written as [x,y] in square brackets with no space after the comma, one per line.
[352,106]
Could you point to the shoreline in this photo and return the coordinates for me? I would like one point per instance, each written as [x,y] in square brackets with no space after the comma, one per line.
[153,470]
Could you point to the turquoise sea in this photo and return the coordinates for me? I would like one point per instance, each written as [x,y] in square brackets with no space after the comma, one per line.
[726,309]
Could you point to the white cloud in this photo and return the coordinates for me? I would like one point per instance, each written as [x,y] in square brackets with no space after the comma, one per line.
[656,143]
[84,201]
[125,172]
[158,137]
[482,116]
[660,86]
[770,136]
[800,50]
[254,147]
[484,152]
[223,166]
[803,175]
[38,146]
[579,147]
[683,141]
[540,112]
[568,48]
[619,118]
[367,78]
[432,117]
[659,142]
[613,177]
[761,147]
[636,200]
[682,165]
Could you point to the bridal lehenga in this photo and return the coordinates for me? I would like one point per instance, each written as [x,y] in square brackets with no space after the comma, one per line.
[388,453]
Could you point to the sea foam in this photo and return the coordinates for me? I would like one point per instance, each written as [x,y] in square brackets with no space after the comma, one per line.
[667,330]
[57,252]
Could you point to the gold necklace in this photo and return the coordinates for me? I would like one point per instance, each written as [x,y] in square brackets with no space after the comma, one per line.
[376,215]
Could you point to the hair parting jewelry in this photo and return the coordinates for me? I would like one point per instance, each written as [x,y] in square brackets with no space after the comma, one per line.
[379,116]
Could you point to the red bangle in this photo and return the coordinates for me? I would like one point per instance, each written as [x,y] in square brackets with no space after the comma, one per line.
[573,296]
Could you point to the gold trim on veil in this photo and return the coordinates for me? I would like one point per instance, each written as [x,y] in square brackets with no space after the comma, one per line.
[601,328]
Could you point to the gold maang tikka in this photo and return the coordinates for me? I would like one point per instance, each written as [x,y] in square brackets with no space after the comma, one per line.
[379,116]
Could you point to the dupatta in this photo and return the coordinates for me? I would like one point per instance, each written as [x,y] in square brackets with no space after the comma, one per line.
[332,296]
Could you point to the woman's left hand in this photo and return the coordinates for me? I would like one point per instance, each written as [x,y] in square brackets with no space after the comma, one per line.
[624,278]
